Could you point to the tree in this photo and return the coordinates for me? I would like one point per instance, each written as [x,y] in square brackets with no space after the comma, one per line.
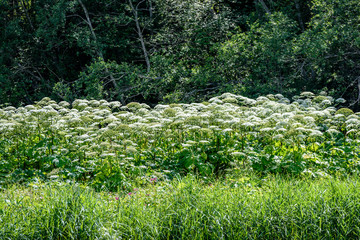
[331,47]
[260,61]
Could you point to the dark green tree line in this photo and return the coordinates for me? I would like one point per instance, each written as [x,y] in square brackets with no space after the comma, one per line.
[172,50]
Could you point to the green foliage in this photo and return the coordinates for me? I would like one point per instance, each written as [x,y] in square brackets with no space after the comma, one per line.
[139,153]
[196,49]
[345,111]
[260,60]
[169,112]
[111,147]
[110,81]
[330,46]
[230,100]
[319,99]
[134,105]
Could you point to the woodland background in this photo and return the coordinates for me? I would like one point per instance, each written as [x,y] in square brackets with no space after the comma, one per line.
[177,50]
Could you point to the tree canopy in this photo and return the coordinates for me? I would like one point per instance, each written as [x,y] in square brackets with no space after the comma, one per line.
[177,50]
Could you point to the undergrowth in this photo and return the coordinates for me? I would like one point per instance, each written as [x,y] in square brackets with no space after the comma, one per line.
[230,168]
[109,146]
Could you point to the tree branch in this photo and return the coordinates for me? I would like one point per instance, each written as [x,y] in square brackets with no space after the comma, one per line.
[297,5]
[88,21]
[358,99]
[27,15]
[265,7]
[98,50]
[139,32]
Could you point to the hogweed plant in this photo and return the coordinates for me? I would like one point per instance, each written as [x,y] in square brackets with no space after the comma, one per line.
[112,146]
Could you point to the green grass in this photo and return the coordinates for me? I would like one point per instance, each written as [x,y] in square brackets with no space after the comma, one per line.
[239,208]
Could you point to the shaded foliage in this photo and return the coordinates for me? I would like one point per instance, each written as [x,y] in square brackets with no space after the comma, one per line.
[171,50]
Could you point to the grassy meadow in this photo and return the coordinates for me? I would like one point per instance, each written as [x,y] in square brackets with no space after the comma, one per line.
[229,168]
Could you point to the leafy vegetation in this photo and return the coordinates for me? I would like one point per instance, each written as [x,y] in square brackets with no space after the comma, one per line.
[177,50]
[112,146]
[138,137]
[232,167]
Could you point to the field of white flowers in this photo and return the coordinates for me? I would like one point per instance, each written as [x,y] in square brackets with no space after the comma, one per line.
[110,146]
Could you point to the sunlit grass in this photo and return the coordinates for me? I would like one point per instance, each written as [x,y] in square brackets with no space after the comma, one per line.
[235,208]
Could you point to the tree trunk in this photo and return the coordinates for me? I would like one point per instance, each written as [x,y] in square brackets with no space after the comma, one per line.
[150,10]
[301,22]
[139,32]
[88,21]
[98,50]
[267,10]
[151,16]
[358,98]
[27,14]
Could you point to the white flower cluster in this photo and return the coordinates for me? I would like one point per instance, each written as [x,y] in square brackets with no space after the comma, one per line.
[107,129]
